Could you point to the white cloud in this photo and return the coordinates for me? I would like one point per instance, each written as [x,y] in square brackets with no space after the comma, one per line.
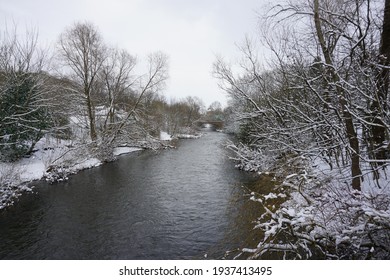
[190,32]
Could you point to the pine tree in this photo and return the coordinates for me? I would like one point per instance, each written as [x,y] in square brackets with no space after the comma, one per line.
[24,118]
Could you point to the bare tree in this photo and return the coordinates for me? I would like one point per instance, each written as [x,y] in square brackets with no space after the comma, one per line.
[116,75]
[144,86]
[82,50]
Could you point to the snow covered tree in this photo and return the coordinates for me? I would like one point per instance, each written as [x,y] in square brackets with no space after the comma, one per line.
[24,118]
[322,100]
[320,94]
[328,44]
[379,106]
[25,97]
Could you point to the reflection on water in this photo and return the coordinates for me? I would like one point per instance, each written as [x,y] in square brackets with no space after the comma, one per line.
[174,204]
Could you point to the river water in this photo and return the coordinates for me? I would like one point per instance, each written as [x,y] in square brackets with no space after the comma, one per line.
[185,203]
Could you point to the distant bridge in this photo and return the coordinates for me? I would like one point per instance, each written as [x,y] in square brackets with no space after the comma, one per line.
[214,124]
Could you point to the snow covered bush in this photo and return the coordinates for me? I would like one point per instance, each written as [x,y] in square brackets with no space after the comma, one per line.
[249,159]
[10,187]
[323,219]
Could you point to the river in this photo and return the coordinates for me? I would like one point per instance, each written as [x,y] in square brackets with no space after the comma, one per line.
[184,203]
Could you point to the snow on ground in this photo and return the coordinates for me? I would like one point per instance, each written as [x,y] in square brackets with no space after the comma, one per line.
[322,216]
[188,136]
[370,185]
[125,150]
[88,163]
[33,170]
[323,209]
[164,136]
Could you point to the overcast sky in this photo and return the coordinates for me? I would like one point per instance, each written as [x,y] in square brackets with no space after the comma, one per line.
[190,32]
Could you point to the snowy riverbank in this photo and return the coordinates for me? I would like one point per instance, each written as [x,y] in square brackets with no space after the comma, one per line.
[322,216]
[164,136]
[52,160]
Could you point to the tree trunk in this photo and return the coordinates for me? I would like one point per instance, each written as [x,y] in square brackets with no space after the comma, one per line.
[348,120]
[91,118]
[379,105]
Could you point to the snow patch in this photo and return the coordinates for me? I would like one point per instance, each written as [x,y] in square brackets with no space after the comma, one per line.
[33,170]
[89,163]
[188,136]
[270,196]
[125,150]
[164,136]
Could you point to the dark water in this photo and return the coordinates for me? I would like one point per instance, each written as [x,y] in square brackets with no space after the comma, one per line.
[174,204]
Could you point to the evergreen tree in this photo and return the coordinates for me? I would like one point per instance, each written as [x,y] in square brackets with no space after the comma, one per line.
[24,118]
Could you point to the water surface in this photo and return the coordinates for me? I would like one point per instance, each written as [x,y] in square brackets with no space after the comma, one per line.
[183,203]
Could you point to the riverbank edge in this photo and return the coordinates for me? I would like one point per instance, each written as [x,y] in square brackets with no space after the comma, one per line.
[18,177]
[300,207]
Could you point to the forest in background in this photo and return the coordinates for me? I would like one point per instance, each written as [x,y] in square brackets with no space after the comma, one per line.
[86,91]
